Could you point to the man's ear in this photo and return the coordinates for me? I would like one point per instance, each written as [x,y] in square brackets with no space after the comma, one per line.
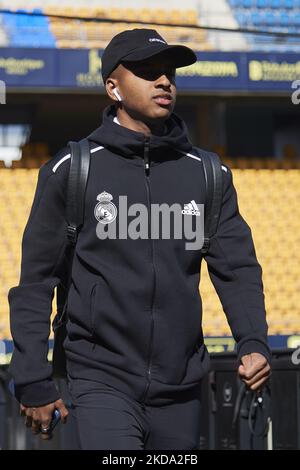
[110,85]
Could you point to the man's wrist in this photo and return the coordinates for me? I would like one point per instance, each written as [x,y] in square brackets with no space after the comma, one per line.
[254,346]
[37,393]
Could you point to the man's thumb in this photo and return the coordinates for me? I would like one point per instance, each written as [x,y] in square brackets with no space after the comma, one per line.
[63,410]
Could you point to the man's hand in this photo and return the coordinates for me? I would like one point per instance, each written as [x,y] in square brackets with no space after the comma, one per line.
[35,417]
[254,371]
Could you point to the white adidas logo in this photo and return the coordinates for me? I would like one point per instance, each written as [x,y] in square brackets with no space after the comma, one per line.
[191,209]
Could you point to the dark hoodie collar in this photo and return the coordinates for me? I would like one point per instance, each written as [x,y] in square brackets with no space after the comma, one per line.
[128,143]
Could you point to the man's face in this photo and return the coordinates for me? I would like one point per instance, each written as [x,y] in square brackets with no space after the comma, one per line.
[147,88]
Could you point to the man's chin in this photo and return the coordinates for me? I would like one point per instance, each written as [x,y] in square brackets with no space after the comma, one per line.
[161,114]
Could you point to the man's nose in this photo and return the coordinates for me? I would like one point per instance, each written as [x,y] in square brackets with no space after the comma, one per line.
[164,80]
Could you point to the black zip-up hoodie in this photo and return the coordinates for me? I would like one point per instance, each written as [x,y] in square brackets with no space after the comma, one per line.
[134,305]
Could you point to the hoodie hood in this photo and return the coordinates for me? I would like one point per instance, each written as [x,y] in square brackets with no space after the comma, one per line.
[128,143]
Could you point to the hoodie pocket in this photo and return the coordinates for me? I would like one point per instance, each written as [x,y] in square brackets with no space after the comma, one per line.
[100,309]
[78,312]
[198,365]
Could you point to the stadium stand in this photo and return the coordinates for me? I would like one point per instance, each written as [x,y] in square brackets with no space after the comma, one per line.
[219,14]
[27,31]
[30,31]
[274,15]
[274,219]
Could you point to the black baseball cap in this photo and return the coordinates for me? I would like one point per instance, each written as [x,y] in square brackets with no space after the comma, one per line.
[140,44]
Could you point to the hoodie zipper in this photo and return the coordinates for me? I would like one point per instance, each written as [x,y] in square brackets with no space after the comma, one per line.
[147,179]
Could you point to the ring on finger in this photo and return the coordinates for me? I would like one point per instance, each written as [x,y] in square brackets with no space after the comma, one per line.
[44,429]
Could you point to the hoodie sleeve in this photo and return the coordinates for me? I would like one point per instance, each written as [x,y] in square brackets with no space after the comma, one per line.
[30,302]
[237,276]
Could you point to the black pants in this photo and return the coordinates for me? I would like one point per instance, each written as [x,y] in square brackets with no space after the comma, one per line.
[108,419]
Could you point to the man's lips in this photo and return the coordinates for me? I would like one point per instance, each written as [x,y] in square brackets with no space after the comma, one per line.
[164,99]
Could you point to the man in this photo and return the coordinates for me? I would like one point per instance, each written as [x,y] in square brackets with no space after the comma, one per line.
[134,347]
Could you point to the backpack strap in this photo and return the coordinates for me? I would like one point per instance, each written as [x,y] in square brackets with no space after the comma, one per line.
[214,188]
[77,180]
[78,175]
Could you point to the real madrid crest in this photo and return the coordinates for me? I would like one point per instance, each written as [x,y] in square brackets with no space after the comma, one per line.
[105,211]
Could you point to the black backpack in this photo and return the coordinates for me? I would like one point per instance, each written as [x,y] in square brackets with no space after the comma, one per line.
[78,176]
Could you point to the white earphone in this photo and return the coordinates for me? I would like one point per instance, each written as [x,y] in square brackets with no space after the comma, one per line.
[115,91]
